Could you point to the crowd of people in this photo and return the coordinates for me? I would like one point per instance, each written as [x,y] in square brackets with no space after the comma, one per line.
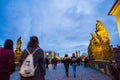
[35,63]
[67,61]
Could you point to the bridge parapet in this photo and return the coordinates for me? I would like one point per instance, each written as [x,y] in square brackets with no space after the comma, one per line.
[101,65]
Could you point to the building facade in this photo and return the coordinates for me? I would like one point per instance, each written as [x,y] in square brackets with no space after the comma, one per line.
[115,11]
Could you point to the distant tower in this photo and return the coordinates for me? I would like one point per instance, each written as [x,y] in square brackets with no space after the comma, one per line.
[76,54]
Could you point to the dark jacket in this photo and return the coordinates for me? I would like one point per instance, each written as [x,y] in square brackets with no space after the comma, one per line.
[73,60]
[86,60]
[47,60]
[54,61]
[39,60]
[66,61]
[7,61]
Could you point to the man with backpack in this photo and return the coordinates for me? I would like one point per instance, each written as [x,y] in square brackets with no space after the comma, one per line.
[32,62]
[74,64]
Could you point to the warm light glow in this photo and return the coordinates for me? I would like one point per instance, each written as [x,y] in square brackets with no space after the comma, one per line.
[118,23]
[47,54]
[119,32]
[53,55]
[115,11]
[58,58]
[99,47]
[18,51]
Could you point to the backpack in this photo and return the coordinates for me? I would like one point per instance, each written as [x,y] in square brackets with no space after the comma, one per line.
[74,59]
[27,68]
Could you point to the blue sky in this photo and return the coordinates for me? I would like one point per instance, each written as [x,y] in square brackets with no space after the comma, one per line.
[63,26]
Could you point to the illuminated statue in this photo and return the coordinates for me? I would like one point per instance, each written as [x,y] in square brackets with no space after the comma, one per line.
[76,54]
[53,55]
[95,47]
[99,47]
[101,32]
[94,39]
[18,51]
[104,38]
[58,58]
[19,42]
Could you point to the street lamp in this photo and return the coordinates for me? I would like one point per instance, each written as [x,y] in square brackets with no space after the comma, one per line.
[47,54]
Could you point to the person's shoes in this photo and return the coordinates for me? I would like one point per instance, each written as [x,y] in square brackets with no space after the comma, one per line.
[54,68]
[67,74]
[74,76]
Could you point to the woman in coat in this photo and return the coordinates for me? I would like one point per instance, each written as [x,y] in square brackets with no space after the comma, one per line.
[7,60]
[38,58]
[66,62]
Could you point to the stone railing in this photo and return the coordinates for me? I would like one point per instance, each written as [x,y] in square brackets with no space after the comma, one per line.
[101,65]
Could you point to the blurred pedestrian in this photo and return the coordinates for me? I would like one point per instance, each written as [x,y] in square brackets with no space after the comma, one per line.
[79,61]
[47,62]
[66,61]
[117,59]
[7,60]
[86,62]
[74,64]
[38,59]
[54,62]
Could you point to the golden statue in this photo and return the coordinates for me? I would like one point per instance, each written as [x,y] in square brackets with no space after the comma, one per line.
[101,32]
[53,54]
[19,42]
[99,47]
[76,54]
[95,47]
[18,51]
[58,58]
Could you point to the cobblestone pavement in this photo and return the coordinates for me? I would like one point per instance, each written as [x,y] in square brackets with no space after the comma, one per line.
[83,73]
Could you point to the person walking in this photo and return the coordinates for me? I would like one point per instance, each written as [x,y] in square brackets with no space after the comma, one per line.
[74,64]
[7,60]
[54,63]
[66,62]
[47,62]
[38,59]
[86,62]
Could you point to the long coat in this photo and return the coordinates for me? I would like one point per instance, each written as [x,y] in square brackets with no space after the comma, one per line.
[7,63]
[39,60]
[66,62]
